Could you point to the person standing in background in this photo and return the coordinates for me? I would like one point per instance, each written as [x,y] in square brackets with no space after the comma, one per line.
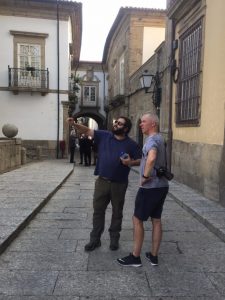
[95,152]
[87,150]
[82,147]
[72,144]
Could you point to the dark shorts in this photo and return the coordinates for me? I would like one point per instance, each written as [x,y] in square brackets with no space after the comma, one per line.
[149,203]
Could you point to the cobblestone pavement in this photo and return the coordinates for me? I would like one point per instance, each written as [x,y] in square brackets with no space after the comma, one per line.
[47,259]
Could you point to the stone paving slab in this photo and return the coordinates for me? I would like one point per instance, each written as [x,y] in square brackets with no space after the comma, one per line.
[47,260]
[85,284]
[108,298]
[24,191]
[180,284]
[20,282]
[208,212]
[54,261]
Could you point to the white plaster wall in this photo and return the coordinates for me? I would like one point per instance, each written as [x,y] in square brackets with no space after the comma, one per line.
[35,115]
[153,37]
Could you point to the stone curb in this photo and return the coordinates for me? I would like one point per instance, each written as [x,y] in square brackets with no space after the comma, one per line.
[197,212]
[4,244]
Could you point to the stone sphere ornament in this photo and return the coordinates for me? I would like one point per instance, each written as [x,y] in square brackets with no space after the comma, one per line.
[9,130]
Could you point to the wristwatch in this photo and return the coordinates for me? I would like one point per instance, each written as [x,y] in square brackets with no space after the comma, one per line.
[145,177]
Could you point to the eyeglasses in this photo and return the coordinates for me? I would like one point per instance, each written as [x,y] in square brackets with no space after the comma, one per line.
[119,123]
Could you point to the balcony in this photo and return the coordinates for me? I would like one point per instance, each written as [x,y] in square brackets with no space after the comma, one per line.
[28,79]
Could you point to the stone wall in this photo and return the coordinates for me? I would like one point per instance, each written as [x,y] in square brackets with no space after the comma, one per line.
[39,149]
[10,154]
[197,165]
[140,101]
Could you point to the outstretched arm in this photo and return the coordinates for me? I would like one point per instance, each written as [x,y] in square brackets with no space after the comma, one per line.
[81,128]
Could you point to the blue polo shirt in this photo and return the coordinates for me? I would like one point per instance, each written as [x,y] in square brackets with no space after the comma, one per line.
[109,151]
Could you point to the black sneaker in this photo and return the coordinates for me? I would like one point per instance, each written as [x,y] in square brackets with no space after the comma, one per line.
[92,245]
[114,244]
[153,259]
[130,261]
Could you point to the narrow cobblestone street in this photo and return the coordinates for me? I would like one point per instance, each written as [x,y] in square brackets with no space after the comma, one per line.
[47,259]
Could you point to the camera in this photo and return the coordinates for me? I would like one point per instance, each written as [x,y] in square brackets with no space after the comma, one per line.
[163,172]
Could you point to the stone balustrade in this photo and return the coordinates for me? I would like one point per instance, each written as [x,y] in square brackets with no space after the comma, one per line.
[10,154]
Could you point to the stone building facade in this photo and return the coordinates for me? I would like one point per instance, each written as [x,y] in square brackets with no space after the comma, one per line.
[125,52]
[191,78]
[39,42]
[92,93]
[141,100]
[195,30]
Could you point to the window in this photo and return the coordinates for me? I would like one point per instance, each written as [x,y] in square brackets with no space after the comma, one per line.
[89,94]
[114,81]
[188,101]
[29,56]
[122,75]
[29,60]
[29,64]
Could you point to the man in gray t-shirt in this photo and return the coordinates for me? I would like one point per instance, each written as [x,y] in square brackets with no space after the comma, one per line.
[153,142]
[151,193]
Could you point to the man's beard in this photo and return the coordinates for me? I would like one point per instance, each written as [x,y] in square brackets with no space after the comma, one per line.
[118,131]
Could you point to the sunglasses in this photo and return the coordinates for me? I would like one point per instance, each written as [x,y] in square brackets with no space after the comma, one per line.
[119,123]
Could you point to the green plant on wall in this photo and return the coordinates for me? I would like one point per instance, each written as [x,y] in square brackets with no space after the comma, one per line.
[74,89]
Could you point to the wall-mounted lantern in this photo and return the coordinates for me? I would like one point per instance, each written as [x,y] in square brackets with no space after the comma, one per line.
[148,80]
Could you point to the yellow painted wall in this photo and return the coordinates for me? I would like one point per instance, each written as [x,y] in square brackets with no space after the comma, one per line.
[153,37]
[211,129]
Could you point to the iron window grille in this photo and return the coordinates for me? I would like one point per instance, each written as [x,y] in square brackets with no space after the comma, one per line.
[188,100]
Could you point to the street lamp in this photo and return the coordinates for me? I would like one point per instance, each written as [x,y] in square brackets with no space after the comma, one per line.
[146,81]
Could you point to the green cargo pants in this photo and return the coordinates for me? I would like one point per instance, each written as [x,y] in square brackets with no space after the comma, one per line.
[106,191]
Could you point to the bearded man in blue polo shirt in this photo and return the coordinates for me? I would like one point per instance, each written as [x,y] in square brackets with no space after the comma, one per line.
[116,154]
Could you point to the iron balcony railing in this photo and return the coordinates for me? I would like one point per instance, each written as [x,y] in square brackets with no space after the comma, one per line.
[28,78]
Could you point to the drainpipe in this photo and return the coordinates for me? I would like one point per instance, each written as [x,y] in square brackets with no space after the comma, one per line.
[58,100]
[106,119]
[170,132]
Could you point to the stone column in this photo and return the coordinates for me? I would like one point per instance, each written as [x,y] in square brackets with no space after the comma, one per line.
[65,127]
[39,152]
[23,156]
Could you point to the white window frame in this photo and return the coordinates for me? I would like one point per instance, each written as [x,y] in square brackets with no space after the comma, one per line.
[89,94]
[26,59]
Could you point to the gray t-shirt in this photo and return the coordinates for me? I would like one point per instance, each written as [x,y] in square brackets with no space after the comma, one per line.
[154,142]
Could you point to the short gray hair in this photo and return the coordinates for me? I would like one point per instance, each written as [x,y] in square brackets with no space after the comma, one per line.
[153,117]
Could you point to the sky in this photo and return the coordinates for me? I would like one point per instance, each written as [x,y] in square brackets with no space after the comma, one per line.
[98,17]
